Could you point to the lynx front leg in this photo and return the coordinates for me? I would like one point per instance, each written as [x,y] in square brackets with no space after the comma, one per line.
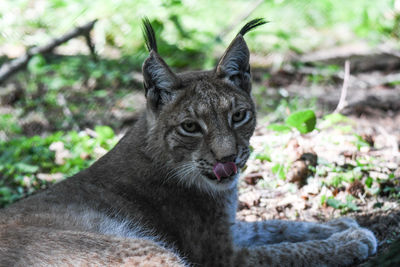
[340,249]
[276,231]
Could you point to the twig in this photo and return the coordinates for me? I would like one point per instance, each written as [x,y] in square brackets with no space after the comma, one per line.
[7,69]
[239,19]
[91,46]
[342,100]
[91,133]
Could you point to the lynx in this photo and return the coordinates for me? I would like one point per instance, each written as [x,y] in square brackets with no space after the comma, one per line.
[166,195]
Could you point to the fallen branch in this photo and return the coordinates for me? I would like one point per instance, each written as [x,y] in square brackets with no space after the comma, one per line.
[363,58]
[342,100]
[7,69]
[289,74]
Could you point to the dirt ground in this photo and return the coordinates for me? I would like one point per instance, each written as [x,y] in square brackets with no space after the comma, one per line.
[372,104]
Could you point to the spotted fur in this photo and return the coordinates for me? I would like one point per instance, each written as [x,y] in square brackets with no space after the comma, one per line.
[153,200]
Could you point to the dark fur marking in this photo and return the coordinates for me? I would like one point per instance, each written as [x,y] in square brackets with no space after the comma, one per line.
[251,25]
[149,35]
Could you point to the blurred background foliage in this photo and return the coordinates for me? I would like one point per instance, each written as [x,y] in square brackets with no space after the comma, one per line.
[48,109]
[191,27]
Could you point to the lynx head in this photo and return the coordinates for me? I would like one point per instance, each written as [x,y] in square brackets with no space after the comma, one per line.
[200,122]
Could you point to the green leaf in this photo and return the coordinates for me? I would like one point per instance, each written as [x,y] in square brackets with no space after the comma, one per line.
[104,132]
[368,182]
[281,128]
[360,142]
[334,203]
[263,157]
[37,64]
[279,170]
[334,119]
[27,168]
[350,203]
[304,121]
[5,192]
[323,199]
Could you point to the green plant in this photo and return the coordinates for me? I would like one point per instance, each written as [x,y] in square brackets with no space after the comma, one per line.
[360,142]
[280,170]
[333,120]
[31,163]
[345,207]
[8,124]
[303,121]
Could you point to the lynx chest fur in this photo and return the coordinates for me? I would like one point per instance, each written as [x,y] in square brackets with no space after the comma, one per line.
[166,195]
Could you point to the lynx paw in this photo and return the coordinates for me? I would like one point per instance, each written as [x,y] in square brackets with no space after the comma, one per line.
[354,244]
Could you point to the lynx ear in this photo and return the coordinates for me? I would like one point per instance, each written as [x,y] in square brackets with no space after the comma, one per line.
[234,64]
[159,80]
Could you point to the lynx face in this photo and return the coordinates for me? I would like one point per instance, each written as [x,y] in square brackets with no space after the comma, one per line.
[209,122]
[200,122]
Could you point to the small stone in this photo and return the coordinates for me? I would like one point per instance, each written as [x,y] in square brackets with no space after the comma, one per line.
[50,177]
[252,178]
[298,172]
[249,199]
[251,218]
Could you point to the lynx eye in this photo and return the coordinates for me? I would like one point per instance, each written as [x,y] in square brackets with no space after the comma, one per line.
[239,116]
[190,127]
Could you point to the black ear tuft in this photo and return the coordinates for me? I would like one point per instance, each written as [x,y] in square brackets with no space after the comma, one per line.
[234,64]
[251,25]
[149,35]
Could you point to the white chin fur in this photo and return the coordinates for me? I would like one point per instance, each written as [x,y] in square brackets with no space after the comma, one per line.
[194,178]
[223,185]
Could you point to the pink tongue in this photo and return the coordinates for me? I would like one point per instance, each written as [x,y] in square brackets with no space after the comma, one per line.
[222,170]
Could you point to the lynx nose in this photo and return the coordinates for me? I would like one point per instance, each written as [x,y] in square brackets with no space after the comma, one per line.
[224,148]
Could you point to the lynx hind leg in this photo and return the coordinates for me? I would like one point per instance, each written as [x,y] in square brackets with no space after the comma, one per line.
[32,246]
[147,254]
[135,252]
